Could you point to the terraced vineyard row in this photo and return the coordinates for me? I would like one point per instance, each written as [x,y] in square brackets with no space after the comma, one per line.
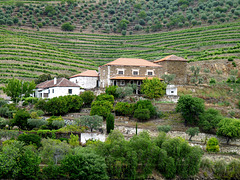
[26,53]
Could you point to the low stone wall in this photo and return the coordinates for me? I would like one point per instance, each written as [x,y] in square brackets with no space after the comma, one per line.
[234,146]
[166,106]
[121,118]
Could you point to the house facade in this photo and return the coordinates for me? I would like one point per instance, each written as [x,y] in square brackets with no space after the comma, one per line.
[86,80]
[123,71]
[174,65]
[55,88]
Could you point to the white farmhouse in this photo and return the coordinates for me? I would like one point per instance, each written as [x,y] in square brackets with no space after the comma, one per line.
[86,80]
[56,88]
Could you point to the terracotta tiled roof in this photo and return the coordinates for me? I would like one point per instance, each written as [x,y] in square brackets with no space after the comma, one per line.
[88,73]
[61,82]
[131,78]
[171,58]
[132,62]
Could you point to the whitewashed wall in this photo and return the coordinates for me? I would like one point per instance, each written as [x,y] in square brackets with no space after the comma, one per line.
[85,82]
[58,91]
[171,90]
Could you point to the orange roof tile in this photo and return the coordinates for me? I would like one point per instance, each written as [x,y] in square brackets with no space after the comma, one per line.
[61,82]
[132,62]
[132,78]
[88,73]
[171,58]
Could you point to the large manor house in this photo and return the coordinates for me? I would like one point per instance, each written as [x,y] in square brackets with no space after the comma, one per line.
[120,72]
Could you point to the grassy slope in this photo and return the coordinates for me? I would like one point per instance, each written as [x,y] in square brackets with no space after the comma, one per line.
[28,53]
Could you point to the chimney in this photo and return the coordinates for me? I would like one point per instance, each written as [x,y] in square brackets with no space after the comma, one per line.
[55,80]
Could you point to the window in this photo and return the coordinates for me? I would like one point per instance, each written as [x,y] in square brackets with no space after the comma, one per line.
[135,72]
[49,91]
[139,83]
[172,92]
[69,91]
[120,72]
[150,73]
[52,90]
[122,82]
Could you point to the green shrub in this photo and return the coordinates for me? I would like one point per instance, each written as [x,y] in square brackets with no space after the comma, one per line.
[4,122]
[233,169]
[164,128]
[58,124]
[110,122]
[230,59]
[124,109]
[212,81]
[220,169]
[87,97]
[20,119]
[212,145]
[105,97]
[30,139]
[111,90]
[146,104]
[124,91]
[209,119]
[84,164]
[206,164]
[142,114]
[36,123]
[67,27]
[101,108]
[190,108]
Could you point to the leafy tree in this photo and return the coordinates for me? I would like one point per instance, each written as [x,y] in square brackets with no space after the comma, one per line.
[20,118]
[19,162]
[42,78]
[53,151]
[123,24]
[17,88]
[209,119]
[93,122]
[74,140]
[84,164]
[124,109]
[111,90]
[30,139]
[142,114]
[190,108]
[105,97]
[87,97]
[142,14]
[192,132]
[164,128]
[124,91]
[110,122]
[183,159]
[168,78]
[153,88]
[229,128]
[67,27]
[196,78]
[147,104]
[212,145]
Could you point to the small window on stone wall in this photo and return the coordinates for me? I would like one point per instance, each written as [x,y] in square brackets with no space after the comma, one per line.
[172,92]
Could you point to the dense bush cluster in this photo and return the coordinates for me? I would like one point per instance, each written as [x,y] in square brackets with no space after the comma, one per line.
[61,105]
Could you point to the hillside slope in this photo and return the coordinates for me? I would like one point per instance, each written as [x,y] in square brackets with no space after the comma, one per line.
[27,53]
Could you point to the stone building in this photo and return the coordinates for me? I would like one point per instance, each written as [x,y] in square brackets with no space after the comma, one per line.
[174,65]
[86,80]
[128,70]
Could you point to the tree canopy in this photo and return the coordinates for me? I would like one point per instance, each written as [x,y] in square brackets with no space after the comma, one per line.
[18,88]
[153,88]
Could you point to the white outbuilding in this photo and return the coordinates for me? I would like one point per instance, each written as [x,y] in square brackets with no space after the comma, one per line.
[171,90]
[55,88]
[86,80]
